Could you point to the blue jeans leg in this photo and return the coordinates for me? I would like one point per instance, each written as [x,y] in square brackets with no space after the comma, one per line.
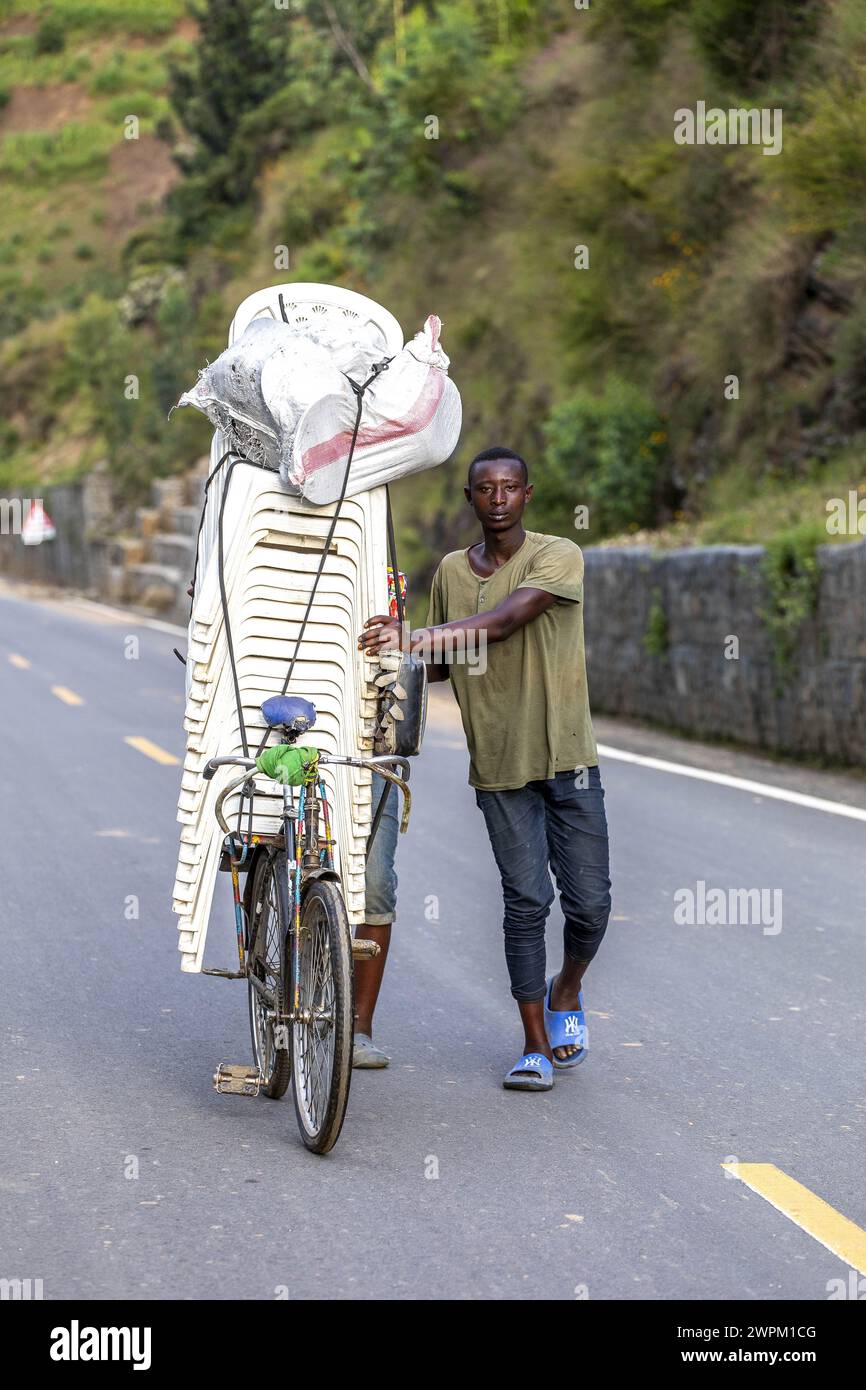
[516,826]
[556,824]
[577,842]
[381,876]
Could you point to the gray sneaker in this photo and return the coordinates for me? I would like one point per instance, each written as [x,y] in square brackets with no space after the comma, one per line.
[366,1054]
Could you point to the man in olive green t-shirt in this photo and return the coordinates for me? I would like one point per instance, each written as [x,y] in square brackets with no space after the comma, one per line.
[506,625]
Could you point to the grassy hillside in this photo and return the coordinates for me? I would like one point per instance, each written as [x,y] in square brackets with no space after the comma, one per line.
[555,131]
[74,190]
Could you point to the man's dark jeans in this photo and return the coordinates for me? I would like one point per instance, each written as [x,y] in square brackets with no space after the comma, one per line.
[557,825]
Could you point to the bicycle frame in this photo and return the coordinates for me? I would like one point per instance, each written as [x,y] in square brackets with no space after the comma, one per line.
[307,856]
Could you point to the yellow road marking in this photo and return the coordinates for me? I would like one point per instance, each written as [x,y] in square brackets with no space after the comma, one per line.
[813,1215]
[20,661]
[152,750]
[68,697]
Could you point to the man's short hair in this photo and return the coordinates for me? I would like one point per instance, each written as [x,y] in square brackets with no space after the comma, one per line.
[499,452]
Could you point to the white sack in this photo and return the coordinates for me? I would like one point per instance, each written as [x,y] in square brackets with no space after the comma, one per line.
[258,389]
[411,421]
[280,396]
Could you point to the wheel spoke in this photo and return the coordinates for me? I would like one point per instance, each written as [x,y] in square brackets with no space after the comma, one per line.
[315,1037]
[265,964]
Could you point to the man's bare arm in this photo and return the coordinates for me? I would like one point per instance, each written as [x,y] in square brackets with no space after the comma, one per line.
[514,612]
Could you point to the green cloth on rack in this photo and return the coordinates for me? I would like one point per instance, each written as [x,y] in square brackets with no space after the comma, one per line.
[293,767]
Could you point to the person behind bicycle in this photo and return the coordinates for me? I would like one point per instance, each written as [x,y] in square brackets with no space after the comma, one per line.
[381,904]
[533,759]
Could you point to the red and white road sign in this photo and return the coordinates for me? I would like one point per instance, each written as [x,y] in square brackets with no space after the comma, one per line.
[37,525]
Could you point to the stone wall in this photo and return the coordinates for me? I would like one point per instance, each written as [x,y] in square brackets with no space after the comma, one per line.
[81,512]
[657,624]
[657,629]
[143,559]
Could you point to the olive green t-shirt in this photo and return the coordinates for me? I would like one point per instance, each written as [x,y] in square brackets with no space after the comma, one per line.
[526,711]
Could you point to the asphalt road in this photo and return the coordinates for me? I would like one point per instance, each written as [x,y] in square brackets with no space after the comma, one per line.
[709,1043]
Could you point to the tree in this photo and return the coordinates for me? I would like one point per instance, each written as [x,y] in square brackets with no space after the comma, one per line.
[353,32]
[240,63]
[750,41]
[240,59]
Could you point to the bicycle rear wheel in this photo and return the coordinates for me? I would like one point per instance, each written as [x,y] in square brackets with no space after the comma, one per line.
[322,1034]
[268,919]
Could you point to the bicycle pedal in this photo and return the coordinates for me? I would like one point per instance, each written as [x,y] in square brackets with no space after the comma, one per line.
[362,949]
[236,1080]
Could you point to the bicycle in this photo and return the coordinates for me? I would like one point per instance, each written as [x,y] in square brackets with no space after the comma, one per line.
[295,947]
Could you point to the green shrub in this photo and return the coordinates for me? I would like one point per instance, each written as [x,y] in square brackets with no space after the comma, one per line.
[130,16]
[607,452]
[141,104]
[849,405]
[790,572]
[10,437]
[239,61]
[506,22]
[821,171]
[73,297]
[112,78]
[54,155]
[642,23]
[173,364]
[17,305]
[748,41]
[452,89]
[321,262]
[50,36]
[741,41]
[149,246]
[76,68]
[657,637]
[99,357]
[450,74]
[165,131]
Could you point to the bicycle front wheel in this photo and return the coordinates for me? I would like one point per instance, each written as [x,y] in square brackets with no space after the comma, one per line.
[322,1031]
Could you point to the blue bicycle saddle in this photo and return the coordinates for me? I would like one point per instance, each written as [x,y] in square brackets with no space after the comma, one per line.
[297,714]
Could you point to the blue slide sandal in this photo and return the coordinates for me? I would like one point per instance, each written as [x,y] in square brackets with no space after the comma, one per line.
[564,1027]
[532,1073]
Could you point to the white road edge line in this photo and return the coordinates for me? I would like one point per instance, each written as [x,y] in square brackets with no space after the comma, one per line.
[743,784]
[722,779]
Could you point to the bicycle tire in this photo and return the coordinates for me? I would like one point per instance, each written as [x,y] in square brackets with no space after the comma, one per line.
[327,994]
[269,890]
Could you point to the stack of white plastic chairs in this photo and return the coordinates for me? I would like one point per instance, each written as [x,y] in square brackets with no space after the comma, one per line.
[273,542]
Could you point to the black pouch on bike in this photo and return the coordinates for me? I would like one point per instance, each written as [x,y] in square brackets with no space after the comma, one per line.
[402,708]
